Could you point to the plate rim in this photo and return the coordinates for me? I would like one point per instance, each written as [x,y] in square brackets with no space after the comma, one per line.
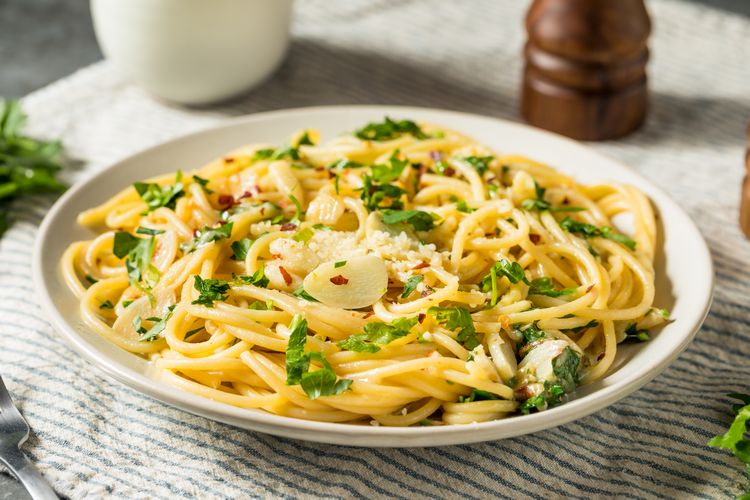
[341,433]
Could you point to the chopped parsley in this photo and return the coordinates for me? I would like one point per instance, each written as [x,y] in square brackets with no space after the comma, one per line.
[390,172]
[591,231]
[203,183]
[633,333]
[478,395]
[302,294]
[240,248]
[511,270]
[91,279]
[552,395]
[148,230]
[304,235]
[107,304]
[345,163]
[321,382]
[461,206]
[297,209]
[480,163]
[459,320]
[528,334]
[340,263]
[411,285]
[590,324]
[157,196]
[159,325]
[734,439]
[208,235]
[258,279]
[210,290]
[304,140]
[389,129]
[377,196]
[565,366]
[137,253]
[377,333]
[544,286]
[419,220]
[540,204]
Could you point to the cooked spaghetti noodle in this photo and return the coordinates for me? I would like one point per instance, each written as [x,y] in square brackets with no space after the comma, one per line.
[400,275]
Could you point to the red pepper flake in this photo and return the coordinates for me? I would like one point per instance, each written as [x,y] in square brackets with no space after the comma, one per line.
[449,172]
[565,201]
[287,277]
[421,265]
[421,317]
[319,169]
[600,357]
[535,238]
[591,287]
[339,280]
[228,159]
[288,226]
[368,314]
[332,174]
[275,256]
[427,291]
[226,200]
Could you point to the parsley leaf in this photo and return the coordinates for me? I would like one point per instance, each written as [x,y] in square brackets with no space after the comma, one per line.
[552,395]
[565,366]
[158,327]
[459,320]
[338,264]
[139,252]
[148,230]
[544,286]
[419,220]
[734,439]
[157,196]
[240,248]
[345,163]
[376,195]
[378,333]
[591,231]
[304,235]
[107,304]
[297,209]
[632,333]
[480,163]
[203,183]
[478,395]
[302,294]
[390,172]
[389,129]
[208,235]
[461,206]
[304,140]
[411,285]
[258,279]
[210,290]
[511,270]
[321,382]
[529,334]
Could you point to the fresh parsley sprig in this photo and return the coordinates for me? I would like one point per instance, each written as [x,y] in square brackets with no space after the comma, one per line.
[511,270]
[389,129]
[137,253]
[156,196]
[210,290]
[459,320]
[735,439]
[321,382]
[544,286]
[207,235]
[539,204]
[590,231]
[377,334]
[411,285]
[27,165]
[418,219]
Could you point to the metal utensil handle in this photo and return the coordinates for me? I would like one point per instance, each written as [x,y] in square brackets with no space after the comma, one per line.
[26,472]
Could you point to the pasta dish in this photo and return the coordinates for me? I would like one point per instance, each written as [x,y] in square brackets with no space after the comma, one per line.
[401,274]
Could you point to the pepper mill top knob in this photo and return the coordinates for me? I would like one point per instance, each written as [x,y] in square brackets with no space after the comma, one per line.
[585,74]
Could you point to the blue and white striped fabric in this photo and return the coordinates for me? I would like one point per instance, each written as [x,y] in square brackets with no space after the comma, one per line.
[94,437]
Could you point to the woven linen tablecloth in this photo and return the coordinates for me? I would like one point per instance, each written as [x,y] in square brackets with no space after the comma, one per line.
[95,437]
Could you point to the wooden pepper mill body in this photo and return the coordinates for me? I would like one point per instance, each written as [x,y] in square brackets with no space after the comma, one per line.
[745,196]
[585,74]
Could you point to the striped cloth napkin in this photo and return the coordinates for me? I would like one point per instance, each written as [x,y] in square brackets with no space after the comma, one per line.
[94,437]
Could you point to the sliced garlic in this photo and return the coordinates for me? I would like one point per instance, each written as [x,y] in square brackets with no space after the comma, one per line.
[358,282]
[502,356]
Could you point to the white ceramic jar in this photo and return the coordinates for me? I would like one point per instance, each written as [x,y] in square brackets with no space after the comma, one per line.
[193,51]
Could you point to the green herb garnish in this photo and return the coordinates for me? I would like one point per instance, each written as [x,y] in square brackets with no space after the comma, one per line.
[734,439]
[544,286]
[210,290]
[459,320]
[137,253]
[258,279]
[478,395]
[633,333]
[461,206]
[389,129]
[203,183]
[419,220]
[240,248]
[377,333]
[208,235]
[157,196]
[591,231]
[321,382]
[480,163]
[411,285]
[107,304]
[302,294]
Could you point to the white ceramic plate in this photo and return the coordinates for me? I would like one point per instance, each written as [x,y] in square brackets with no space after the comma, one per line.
[684,270]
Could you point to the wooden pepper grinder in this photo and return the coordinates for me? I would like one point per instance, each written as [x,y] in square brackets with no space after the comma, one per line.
[745,200]
[585,74]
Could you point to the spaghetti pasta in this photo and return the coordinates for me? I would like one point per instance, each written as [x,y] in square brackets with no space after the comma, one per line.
[400,275]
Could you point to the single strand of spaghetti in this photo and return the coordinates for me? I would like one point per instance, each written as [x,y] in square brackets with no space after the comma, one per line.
[395,391]
[217,395]
[589,336]
[449,344]
[385,352]
[481,407]
[433,386]
[253,337]
[320,416]
[438,362]
[68,268]
[433,191]
[211,380]
[411,418]
[610,343]
[204,364]
[572,307]
[458,377]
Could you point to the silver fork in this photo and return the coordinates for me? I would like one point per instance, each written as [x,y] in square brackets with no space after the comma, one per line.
[13,433]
